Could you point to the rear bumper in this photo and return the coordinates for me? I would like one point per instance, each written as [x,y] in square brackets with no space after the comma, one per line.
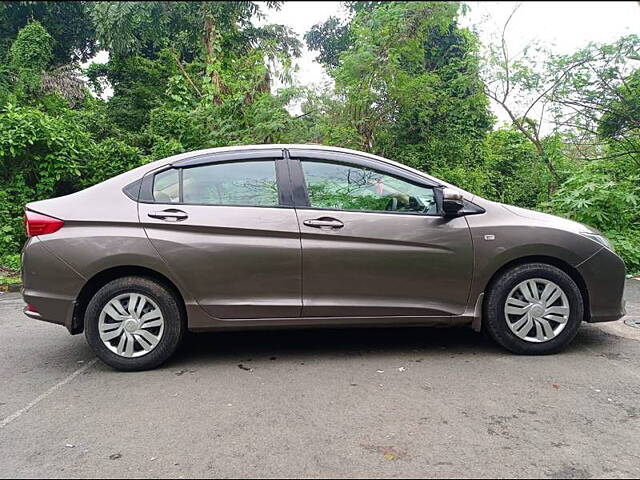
[49,285]
[604,277]
[52,308]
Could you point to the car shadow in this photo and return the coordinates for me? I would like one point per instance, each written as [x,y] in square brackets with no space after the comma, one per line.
[353,342]
[319,343]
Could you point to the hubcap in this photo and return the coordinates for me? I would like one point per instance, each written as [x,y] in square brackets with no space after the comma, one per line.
[131,325]
[536,310]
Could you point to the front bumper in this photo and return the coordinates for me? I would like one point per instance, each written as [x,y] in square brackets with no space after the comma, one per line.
[604,277]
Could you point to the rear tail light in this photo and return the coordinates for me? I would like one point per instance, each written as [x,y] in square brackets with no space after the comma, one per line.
[38,224]
[31,308]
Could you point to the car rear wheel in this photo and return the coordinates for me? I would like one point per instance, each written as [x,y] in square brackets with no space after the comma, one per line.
[134,323]
[534,309]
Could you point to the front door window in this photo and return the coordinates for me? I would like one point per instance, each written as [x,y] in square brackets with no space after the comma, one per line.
[340,186]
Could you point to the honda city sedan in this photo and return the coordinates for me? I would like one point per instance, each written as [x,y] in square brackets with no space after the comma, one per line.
[276,236]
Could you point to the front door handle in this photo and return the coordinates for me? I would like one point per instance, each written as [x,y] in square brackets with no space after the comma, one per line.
[171,214]
[324,222]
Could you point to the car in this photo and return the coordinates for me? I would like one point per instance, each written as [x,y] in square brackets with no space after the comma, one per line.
[276,236]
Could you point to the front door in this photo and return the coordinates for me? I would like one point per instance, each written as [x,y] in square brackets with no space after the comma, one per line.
[373,244]
[223,230]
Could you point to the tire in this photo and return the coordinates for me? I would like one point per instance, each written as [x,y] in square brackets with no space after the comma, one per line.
[165,326]
[507,286]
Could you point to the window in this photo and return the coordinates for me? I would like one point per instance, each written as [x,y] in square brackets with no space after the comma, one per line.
[351,187]
[234,183]
[166,187]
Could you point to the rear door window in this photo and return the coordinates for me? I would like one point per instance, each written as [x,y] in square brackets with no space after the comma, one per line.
[235,183]
[239,183]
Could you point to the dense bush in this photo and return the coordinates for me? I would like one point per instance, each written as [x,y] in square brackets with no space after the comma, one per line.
[605,194]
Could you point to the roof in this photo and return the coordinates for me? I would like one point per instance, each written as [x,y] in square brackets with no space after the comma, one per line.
[301,146]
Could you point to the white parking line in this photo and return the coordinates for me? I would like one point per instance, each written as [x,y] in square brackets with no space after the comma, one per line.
[6,421]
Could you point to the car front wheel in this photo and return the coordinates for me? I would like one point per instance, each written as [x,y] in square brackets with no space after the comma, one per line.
[533,308]
[134,323]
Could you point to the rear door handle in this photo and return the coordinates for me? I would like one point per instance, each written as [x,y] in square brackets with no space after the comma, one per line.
[326,222]
[171,214]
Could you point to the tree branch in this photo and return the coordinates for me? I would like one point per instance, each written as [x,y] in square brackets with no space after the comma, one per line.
[185,74]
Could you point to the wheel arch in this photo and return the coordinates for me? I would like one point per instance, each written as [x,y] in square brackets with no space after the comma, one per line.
[554,261]
[103,277]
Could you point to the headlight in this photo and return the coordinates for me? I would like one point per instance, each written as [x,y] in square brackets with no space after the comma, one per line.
[598,238]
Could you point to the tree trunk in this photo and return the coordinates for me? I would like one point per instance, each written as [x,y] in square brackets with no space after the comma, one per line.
[210,39]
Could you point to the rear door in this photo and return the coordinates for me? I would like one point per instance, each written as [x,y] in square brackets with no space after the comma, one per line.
[225,227]
[372,241]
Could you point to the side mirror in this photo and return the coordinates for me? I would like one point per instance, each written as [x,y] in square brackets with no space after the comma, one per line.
[452,202]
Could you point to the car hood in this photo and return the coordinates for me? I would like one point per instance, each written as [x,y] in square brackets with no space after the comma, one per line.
[551,220]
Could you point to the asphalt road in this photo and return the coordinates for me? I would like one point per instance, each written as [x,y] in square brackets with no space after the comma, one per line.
[332,403]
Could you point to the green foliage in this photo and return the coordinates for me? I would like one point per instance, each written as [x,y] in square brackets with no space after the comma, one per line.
[409,88]
[68,23]
[598,96]
[518,175]
[8,280]
[109,158]
[32,48]
[29,56]
[622,116]
[599,196]
[40,156]
[605,194]
[138,84]
[145,28]
[191,75]
[10,262]
[330,38]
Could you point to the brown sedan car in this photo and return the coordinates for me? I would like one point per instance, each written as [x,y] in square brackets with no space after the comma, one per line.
[302,235]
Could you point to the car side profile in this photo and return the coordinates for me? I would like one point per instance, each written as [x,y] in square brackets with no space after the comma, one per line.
[275,236]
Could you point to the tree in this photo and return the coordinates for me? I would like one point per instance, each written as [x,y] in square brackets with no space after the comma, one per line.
[332,37]
[29,56]
[201,39]
[599,99]
[521,86]
[573,93]
[69,24]
[517,174]
[30,71]
[408,88]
